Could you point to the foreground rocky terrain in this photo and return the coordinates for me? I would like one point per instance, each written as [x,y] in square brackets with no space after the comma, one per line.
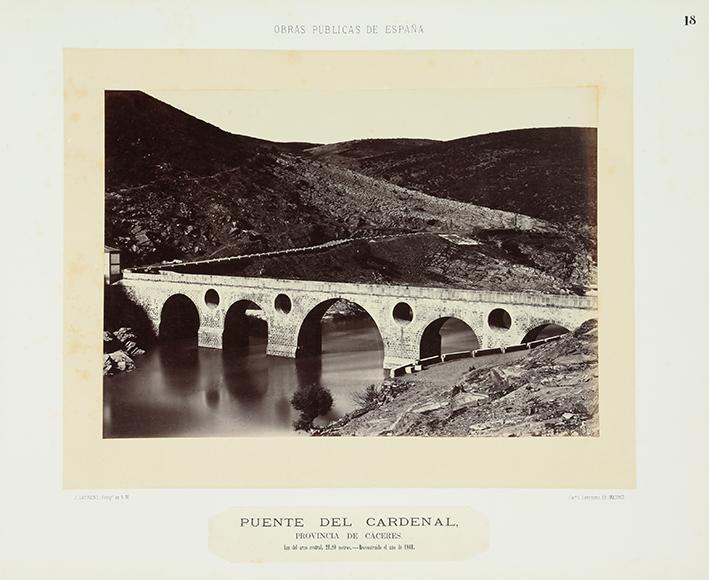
[553,390]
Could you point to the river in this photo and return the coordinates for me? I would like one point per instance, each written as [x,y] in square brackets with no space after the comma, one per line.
[180,390]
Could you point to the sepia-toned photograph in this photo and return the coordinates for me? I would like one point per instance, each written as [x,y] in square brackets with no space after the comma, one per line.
[439,281]
[354,288]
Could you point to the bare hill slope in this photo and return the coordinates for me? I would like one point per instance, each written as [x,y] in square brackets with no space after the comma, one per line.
[527,260]
[180,188]
[548,173]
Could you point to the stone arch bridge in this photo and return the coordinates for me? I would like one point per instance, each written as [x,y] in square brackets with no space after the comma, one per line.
[408,318]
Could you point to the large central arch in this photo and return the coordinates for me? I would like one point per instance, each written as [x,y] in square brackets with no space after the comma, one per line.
[239,326]
[179,318]
[310,331]
[432,337]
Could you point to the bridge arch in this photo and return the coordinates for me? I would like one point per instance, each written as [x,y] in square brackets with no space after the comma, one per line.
[431,338]
[240,327]
[310,331]
[179,318]
[540,330]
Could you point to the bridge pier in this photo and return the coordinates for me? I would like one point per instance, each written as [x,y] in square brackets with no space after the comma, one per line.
[392,362]
[401,346]
[282,341]
[209,337]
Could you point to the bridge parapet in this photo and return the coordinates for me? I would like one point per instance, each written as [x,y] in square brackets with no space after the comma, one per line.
[432,292]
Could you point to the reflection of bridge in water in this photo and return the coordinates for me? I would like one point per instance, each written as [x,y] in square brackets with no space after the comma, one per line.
[409,319]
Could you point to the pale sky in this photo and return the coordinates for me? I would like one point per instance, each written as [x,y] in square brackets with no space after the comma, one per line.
[331,116]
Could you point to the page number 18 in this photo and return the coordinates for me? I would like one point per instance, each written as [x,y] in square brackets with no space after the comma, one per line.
[690,20]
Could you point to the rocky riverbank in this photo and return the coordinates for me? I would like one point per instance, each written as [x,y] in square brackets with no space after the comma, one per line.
[120,348]
[552,391]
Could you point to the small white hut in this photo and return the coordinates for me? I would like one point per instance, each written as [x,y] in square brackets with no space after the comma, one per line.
[112,264]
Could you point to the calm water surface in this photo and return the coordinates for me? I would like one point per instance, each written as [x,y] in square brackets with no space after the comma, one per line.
[178,389]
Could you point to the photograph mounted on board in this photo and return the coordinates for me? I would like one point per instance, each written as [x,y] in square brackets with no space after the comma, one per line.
[333,263]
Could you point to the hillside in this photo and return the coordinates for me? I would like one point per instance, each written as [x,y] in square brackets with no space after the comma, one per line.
[547,173]
[525,260]
[180,188]
[177,187]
